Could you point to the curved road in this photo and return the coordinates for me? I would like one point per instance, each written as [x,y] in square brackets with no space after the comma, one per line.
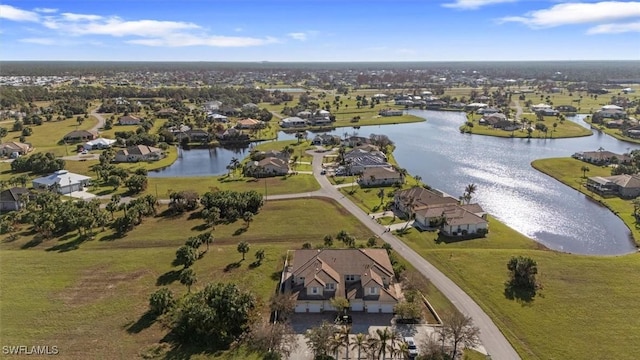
[491,337]
[101,120]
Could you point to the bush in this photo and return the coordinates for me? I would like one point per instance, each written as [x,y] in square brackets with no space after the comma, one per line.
[161,301]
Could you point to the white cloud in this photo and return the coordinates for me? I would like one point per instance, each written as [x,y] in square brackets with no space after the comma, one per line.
[474,4]
[12,13]
[46,10]
[180,40]
[615,28]
[141,32]
[238,29]
[298,36]
[40,41]
[80,17]
[577,13]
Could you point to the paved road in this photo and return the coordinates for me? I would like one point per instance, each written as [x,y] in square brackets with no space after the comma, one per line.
[492,339]
[101,120]
[518,110]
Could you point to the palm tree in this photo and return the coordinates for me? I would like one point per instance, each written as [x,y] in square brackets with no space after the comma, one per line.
[383,335]
[418,179]
[372,346]
[344,333]
[243,248]
[381,195]
[359,343]
[470,190]
[335,343]
[188,278]
[585,169]
[248,218]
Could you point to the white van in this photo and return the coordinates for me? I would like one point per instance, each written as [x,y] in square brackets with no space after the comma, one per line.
[413,348]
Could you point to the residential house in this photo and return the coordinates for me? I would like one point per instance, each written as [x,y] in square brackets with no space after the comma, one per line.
[625,186]
[459,219]
[475,106]
[390,112]
[293,121]
[139,153]
[217,118]
[212,105]
[380,176]
[317,120]
[129,120]
[80,136]
[305,114]
[248,124]
[326,139]
[14,148]
[364,277]
[13,199]
[602,157]
[539,107]
[232,135]
[567,108]
[194,135]
[267,167]
[99,144]
[358,160]
[633,132]
[548,112]
[492,119]
[165,113]
[62,181]
[488,111]
[354,141]
[409,201]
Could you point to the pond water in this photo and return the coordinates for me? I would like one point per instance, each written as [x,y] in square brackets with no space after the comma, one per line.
[508,187]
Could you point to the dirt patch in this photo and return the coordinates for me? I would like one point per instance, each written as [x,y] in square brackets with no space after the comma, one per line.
[95,284]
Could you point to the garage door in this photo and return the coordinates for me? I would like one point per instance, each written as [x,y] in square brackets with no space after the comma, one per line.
[373,308]
[314,308]
[357,307]
[300,308]
[387,308]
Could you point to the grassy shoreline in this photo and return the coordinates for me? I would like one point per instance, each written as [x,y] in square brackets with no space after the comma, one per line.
[568,171]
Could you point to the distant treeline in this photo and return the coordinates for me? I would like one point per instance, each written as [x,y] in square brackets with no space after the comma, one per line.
[591,71]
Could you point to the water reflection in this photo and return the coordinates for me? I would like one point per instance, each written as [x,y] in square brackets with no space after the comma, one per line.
[508,187]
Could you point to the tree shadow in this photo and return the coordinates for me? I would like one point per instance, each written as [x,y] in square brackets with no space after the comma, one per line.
[168,277]
[275,276]
[255,264]
[524,296]
[145,321]
[69,245]
[201,227]
[240,231]
[231,266]
[37,240]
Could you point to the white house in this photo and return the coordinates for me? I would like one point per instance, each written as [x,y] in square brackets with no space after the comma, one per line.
[62,181]
[293,121]
[139,153]
[99,143]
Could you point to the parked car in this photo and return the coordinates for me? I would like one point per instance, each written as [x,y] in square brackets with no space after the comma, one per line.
[344,320]
[413,348]
[323,172]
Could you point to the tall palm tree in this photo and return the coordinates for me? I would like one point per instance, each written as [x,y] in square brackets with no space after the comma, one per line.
[381,195]
[585,169]
[344,333]
[470,190]
[384,335]
[372,346]
[335,343]
[359,343]
[418,179]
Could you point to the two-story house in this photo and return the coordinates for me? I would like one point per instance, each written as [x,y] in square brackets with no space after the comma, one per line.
[364,277]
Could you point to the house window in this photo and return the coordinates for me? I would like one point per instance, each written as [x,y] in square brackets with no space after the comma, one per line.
[331,286]
[373,290]
[349,277]
[314,290]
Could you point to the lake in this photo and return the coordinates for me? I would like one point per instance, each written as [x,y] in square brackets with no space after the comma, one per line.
[508,187]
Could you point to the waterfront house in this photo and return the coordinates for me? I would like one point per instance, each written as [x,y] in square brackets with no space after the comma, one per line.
[358,160]
[602,157]
[390,112]
[452,219]
[98,144]
[326,139]
[139,153]
[248,123]
[292,122]
[364,277]
[380,176]
[625,185]
[409,201]
[267,167]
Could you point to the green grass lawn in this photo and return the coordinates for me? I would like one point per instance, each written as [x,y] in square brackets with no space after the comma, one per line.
[616,133]
[568,171]
[90,301]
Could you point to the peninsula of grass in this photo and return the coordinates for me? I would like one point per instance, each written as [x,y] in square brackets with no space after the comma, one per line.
[569,172]
[564,129]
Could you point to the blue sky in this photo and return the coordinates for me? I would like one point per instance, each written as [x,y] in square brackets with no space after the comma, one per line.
[328,30]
